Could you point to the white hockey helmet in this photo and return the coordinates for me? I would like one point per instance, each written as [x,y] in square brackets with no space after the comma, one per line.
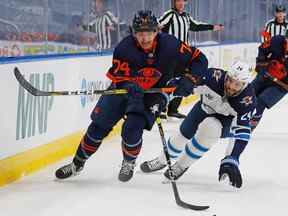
[240,71]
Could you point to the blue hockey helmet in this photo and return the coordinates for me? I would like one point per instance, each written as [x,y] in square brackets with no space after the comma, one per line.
[144,20]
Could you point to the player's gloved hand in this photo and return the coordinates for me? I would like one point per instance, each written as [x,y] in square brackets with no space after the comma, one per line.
[133,90]
[135,97]
[157,102]
[277,70]
[230,168]
[184,86]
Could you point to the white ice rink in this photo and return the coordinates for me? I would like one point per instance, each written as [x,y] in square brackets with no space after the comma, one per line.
[97,190]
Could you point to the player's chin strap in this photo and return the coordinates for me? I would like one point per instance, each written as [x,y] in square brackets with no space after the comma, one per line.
[174,186]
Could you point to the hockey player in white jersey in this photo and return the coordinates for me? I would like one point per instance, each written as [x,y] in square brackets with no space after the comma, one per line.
[227,103]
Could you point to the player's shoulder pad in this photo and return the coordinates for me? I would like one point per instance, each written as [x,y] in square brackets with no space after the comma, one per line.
[246,101]
[125,44]
[168,41]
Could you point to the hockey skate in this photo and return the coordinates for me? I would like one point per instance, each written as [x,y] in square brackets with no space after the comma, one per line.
[68,170]
[126,171]
[152,165]
[176,171]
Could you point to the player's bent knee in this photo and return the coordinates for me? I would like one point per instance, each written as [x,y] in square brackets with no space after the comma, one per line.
[209,132]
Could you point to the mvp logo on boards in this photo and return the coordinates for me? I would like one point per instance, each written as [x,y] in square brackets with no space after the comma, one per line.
[32,112]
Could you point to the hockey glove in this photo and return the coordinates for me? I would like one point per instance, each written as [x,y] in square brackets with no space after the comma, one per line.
[184,86]
[134,90]
[157,102]
[229,168]
[135,97]
[277,70]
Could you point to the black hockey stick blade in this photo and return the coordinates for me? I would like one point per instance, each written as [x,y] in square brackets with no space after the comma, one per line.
[184,204]
[26,85]
[37,92]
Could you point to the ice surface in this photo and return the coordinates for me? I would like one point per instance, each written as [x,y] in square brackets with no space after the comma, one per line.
[97,190]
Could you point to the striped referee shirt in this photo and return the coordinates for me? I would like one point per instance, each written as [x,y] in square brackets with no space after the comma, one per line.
[179,25]
[100,25]
[275,28]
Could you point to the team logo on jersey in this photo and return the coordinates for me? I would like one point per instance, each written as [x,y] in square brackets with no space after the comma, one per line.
[217,75]
[247,100]
[147,77]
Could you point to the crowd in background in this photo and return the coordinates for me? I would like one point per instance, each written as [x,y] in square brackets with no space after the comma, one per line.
[98,25]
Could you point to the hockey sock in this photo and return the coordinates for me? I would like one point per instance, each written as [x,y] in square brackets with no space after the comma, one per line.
[131,151]
[175,146]
[89,143]
[208,133]
[132,132]
[193,152]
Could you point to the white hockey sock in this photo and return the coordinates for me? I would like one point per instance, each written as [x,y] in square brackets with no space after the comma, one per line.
[207,135]
[193,152]
[175,147]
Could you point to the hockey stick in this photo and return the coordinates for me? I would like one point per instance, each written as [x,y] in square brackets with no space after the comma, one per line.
[277,81]
[174,186]
[37,92]
[269,76]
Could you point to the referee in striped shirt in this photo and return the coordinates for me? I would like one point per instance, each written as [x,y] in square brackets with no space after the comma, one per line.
[104,25]
[177,22]
[277,25]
